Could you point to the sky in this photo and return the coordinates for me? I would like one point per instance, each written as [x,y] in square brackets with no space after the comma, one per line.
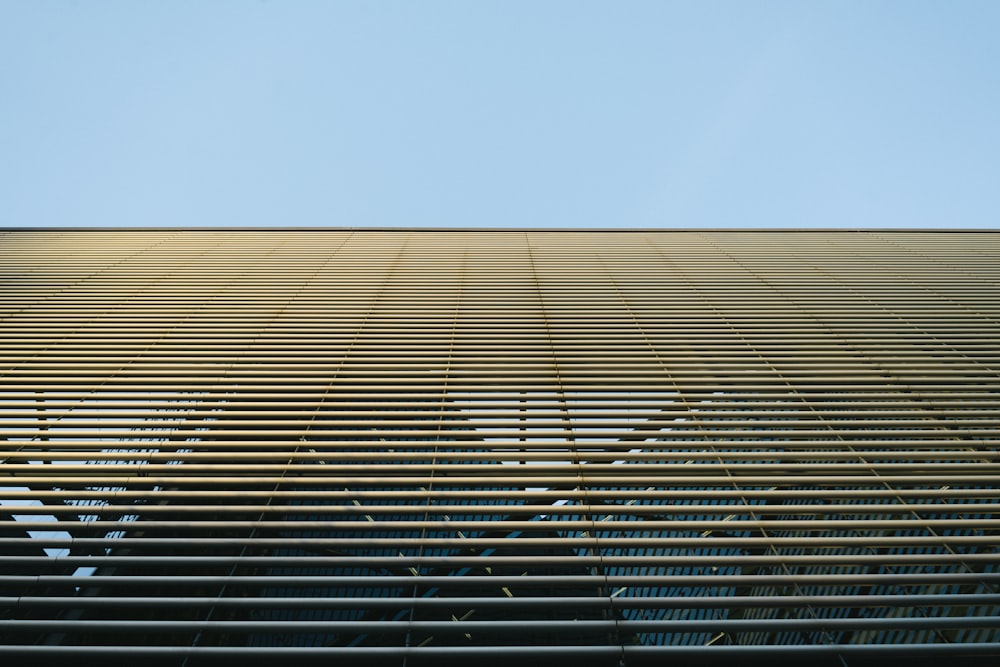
[474,113]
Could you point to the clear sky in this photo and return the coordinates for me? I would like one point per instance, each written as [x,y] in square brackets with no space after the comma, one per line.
[847,113]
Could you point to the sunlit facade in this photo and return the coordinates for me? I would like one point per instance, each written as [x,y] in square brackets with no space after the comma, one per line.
[422,447]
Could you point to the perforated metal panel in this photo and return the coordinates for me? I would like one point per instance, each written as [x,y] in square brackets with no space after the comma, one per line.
[409,447]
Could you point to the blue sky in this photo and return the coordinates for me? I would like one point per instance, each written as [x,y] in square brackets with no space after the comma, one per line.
[514,113]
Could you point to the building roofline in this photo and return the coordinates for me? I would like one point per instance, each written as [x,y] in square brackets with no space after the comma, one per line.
[318,228]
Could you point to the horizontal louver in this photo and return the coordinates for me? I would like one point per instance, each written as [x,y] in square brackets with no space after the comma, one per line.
[409,447]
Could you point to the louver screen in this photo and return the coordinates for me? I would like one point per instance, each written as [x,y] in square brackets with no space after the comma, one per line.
[425,447]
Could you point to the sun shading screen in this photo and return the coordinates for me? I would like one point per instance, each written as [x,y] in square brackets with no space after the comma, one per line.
[424,447]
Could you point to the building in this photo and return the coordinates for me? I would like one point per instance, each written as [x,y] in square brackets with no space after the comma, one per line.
[413,447]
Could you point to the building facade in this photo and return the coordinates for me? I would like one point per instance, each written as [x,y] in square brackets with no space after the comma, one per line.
[414,447]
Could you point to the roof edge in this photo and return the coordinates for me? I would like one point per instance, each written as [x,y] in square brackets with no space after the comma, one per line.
[318,228]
